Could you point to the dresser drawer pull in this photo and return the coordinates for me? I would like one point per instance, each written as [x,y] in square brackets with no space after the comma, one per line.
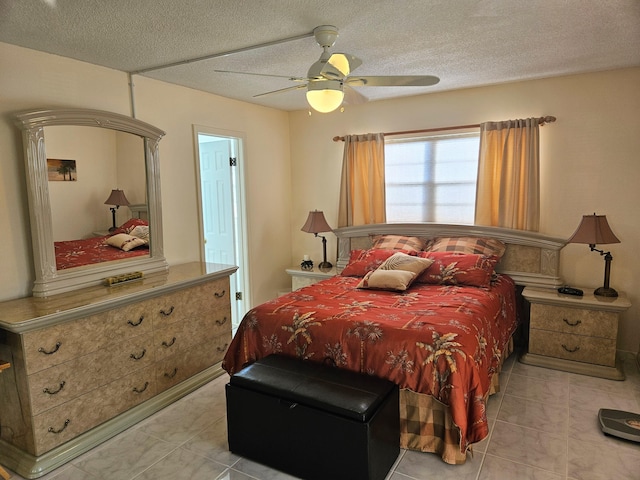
[53,392]
[221,322]
[140,390]
[167,345]
[166,313]
[66,424]
[220,295]
[223,348]
[134,324]
[570,350]
[138,357]
[50,352]
[172,374]
[574,324]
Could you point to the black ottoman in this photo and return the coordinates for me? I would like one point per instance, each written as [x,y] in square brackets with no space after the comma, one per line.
[313,421]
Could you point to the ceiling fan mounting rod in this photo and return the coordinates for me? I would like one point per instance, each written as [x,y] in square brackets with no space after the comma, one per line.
[222,54]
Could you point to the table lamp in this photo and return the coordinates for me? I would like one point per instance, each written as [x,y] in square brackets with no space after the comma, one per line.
[116,198]
[315,224]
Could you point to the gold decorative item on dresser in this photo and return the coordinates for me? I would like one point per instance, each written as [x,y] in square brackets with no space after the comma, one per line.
[574,333]
[88,364]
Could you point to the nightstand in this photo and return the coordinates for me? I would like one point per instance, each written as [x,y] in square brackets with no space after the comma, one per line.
[574,334]
[301,278]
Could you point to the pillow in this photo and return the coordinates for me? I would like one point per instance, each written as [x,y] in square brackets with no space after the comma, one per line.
[408,263]
[480,245]
[130,224]
[362,262]
[141,231]
[450,268]
[124,241]
[398,242]
[387,280]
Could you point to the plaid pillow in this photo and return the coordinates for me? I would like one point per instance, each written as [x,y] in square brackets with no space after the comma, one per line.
[478,245]
[398,242]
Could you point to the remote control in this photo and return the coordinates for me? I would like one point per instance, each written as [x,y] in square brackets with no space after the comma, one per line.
[566,290]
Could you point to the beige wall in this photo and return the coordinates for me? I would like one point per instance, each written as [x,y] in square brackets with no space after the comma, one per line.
[590,163]
[31,79]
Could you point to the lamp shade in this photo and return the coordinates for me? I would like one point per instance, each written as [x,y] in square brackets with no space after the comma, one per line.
[593,230]
[316,223]
[325,96]
[117,198]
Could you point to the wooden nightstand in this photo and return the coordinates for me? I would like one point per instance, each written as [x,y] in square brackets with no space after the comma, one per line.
[574,334]
[301,278]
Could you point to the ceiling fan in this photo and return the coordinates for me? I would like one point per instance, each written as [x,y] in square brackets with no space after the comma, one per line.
[329,80]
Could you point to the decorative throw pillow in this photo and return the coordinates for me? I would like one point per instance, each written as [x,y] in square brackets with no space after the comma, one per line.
[408,263]
[362,262]
[450,268]
[141,231]
[398,242]
[130,224]
[479,245]
[124,241]
[387,280]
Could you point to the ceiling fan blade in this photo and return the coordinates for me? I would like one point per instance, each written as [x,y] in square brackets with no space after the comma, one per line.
[393,81]
[295,79]
[353,97]
[340,65]
[282,90]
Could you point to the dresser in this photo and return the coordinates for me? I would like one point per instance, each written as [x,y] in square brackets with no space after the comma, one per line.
[574,333]
[90,363]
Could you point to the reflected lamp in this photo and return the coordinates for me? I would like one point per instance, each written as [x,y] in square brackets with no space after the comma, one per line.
[117,199]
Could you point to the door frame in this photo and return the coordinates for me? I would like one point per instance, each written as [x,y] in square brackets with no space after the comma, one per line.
[239,308]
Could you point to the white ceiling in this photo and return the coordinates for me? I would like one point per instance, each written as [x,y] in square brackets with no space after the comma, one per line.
[466,43]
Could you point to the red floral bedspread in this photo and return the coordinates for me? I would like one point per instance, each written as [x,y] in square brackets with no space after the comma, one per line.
[445,341]
[76,253]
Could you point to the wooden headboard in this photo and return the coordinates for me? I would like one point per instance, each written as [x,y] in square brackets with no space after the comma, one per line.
[531,259]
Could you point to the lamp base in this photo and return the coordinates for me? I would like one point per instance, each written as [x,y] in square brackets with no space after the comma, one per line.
[325,266]
[605,292]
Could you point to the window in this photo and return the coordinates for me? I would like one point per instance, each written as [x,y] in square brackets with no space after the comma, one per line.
[432,179]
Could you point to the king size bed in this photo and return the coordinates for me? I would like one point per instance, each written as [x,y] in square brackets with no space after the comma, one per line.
[433,308]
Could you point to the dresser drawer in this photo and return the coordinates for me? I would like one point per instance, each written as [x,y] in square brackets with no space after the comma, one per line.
[55,345]
[62,423]
[57,385]
[579,348]
[595,323]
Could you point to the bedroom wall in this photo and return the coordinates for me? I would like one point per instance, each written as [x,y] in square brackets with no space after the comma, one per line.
[30,79]
[589,160]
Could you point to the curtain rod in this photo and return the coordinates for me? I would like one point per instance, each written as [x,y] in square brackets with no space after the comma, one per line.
[541,122]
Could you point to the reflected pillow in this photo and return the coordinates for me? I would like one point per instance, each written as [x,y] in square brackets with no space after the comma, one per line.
[142,232]
[450,268]
[398,242]
[362,262]
[130,224]
[125,242]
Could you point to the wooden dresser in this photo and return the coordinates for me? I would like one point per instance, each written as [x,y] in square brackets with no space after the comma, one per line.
[574,333]
[88,364]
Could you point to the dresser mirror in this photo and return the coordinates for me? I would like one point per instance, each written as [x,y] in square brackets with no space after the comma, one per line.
[74,159]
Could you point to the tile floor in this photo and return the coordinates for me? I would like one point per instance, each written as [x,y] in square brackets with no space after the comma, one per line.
[543,427]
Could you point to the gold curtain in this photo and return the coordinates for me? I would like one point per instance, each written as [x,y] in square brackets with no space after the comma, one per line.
[362,190]
[508,189]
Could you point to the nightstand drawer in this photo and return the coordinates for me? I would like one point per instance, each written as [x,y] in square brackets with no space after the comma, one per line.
[579,321]
[579,348]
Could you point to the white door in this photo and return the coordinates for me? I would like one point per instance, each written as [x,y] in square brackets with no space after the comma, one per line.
[221,209]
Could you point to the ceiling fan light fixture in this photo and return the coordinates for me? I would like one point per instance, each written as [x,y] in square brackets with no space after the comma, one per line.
[325,96]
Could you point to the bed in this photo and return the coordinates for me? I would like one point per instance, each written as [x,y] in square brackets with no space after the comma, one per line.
[129,240]
[431,307]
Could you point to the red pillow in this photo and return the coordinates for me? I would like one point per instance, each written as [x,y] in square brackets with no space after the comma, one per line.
[362,262]
[129,225]
[450,268]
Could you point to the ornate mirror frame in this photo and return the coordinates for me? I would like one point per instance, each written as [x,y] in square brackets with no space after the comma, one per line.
[49,280]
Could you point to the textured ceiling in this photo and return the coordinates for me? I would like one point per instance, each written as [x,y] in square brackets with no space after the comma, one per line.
[466,43]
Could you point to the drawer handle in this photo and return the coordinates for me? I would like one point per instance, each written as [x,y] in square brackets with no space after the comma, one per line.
[574,324]
[166,313]
[223,348]
[133,324]
[221,322]
[172,374]
[220,295]
[140,390]
[570,350]
[167,345]
[50,352]
[138,357]
[53,392]
[66,424]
